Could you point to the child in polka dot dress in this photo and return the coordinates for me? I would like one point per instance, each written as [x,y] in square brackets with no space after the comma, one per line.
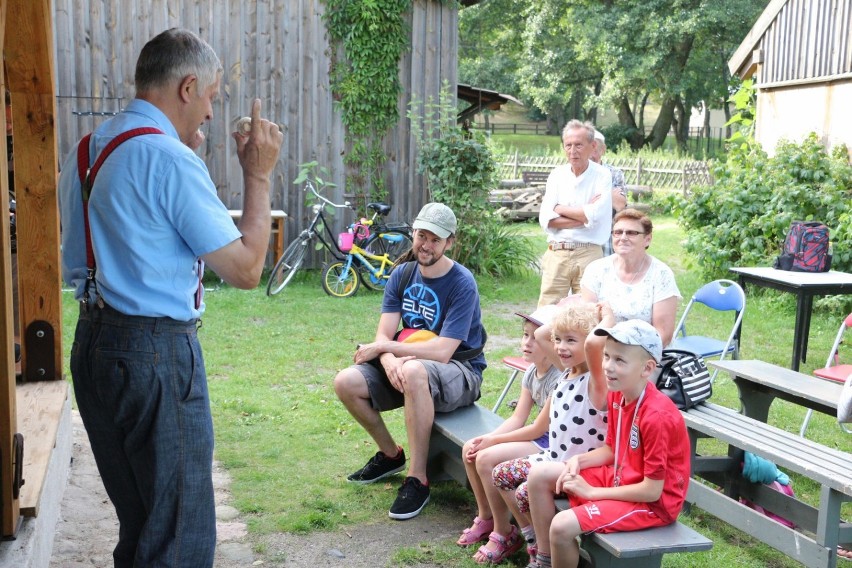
[574,417]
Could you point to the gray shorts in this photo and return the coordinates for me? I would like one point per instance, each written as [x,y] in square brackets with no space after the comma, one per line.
[453,385]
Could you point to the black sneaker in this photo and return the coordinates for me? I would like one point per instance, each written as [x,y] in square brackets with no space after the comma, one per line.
[411,499]
[379,467]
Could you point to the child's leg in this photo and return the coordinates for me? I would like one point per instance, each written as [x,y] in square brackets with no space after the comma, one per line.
[564,548]
[541,487]
[483,511]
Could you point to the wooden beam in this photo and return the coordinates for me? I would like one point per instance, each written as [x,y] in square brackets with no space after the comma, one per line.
[10,510]
[28,51]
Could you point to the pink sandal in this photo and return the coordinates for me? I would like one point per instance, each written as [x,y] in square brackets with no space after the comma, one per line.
[506,546]
[477,532]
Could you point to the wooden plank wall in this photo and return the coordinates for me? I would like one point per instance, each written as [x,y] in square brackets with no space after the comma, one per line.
[274,49]
[808,39]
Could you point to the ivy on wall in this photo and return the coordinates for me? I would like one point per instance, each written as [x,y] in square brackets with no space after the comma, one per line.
[367,39]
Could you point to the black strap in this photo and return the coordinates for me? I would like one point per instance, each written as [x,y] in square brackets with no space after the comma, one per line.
[87,180]
[407,272]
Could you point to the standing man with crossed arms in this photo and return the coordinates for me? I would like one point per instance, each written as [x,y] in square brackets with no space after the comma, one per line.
[154,220]
[576,214]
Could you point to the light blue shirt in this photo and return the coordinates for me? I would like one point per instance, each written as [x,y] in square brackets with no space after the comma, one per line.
[153,212]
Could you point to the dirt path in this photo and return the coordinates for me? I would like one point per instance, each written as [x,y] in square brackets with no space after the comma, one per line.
[87,529]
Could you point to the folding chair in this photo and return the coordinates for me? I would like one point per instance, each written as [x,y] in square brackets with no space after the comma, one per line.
[834,370]
[719,295]
[518,365]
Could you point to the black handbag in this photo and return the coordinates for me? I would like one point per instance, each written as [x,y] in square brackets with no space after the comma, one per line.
[684,378]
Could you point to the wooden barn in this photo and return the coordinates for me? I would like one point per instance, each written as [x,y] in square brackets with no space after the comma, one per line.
[277,50]
[68,66]
[800,54]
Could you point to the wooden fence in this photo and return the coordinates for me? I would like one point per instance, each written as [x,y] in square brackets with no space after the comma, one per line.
[660,174]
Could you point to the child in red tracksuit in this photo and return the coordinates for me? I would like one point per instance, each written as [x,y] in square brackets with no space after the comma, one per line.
[638,479]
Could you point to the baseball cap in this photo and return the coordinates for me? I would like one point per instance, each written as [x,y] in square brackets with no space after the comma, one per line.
[599,136]
[541,316]
[636,332]
[436,218]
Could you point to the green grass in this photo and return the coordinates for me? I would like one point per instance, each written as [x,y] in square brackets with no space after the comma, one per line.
[288,443]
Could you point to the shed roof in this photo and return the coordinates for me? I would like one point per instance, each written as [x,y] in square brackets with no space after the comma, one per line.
[480,99]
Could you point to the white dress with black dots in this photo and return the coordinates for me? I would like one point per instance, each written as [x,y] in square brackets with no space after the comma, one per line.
[576,426]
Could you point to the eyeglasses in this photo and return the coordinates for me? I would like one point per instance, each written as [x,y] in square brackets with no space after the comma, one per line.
[618,232]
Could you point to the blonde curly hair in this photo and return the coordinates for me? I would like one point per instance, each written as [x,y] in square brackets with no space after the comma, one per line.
[576,316]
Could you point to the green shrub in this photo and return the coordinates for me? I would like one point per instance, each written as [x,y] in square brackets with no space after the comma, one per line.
[743,218]
[461,170]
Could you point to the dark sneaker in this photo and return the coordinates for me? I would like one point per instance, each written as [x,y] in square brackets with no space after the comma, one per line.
[411,499]
[379,467]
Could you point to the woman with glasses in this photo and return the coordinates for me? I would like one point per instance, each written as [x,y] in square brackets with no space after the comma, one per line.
[635,284]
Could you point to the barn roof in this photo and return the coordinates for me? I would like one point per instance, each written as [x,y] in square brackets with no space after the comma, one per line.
[797,41]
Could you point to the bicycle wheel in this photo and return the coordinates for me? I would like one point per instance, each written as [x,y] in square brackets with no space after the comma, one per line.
[287,266]
[340,280]
[397,245]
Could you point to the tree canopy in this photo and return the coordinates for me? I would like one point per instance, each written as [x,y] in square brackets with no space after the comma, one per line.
[565,58]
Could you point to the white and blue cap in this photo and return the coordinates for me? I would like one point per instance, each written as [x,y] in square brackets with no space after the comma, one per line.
[542,316]
[636,332]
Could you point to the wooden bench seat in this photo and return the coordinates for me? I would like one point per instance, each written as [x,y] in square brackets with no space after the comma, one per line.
[535,178]
[822,528]
[640,549]
[450,431]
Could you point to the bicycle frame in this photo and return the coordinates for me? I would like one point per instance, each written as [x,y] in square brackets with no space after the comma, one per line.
[380,273]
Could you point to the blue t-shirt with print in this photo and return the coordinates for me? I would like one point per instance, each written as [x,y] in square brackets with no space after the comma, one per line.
[447,306]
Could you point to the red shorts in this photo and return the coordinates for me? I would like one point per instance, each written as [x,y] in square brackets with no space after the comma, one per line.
[608,515]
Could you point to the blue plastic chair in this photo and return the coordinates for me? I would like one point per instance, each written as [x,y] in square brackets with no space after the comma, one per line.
[719,295]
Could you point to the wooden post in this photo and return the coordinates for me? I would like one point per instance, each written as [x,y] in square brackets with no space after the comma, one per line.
[638,171]
[9,505]
[28,50]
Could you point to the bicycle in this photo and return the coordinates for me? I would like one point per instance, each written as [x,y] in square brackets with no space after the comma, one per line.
[342,278]
[375,243]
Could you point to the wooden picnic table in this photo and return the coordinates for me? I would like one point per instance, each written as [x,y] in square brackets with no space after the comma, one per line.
[759,383]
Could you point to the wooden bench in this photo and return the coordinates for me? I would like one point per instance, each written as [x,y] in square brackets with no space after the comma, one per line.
[533,179]
[640,549]
[450,431]
[277,245]
[820,528]
[638,193]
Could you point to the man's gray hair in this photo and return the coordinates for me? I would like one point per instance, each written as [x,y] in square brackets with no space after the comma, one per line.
[173,55]
[576,124]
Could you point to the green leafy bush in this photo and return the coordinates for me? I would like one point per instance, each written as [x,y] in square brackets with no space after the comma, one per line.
[460,170]
[743,218]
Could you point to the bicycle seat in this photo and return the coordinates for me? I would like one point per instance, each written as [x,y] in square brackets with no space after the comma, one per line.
[380,208]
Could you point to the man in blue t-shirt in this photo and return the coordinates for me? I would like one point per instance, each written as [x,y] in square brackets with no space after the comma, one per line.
[440,374]
[154,219]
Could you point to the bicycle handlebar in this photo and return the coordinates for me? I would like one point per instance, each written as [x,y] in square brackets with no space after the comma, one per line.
[309,184]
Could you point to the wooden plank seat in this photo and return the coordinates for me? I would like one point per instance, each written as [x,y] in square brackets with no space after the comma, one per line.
[450,431]
[636,194]
[640,549]
[820,529]
[534,178]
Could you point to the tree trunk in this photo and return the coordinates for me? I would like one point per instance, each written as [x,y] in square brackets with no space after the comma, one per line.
[707,132]
[642,114]
[626,118]
[681,126]
[663,124]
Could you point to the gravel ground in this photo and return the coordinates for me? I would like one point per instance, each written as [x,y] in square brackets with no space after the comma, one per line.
[87,529]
